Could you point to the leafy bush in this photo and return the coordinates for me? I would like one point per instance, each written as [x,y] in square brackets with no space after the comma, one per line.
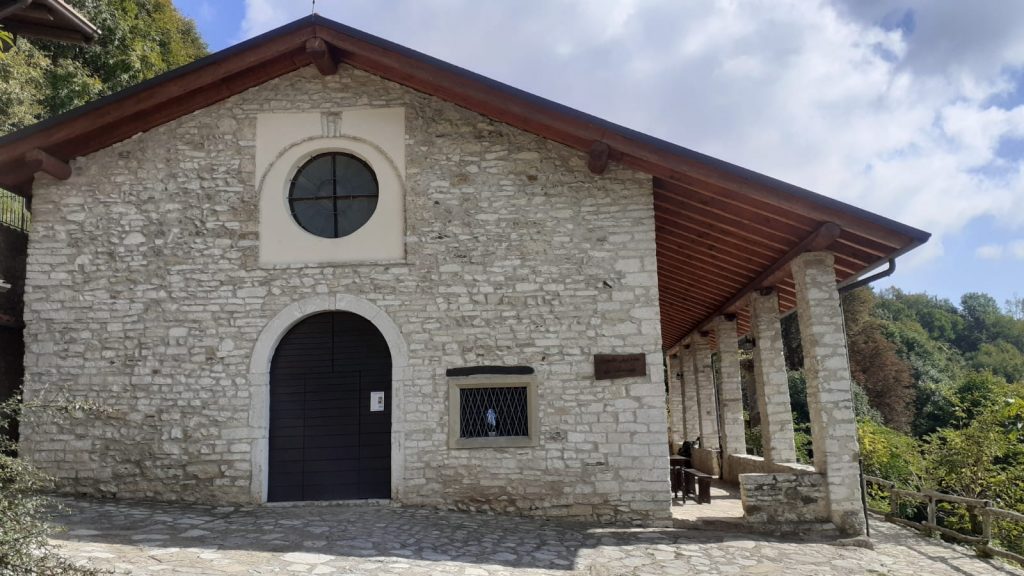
[890,454]
[802,438]
[25,510]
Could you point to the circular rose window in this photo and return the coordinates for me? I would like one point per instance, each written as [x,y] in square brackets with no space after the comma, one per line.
[333,195]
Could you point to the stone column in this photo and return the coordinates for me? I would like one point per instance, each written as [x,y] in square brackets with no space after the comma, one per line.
[730,392]
[708,410]
[677,426]
[829,387]
[691,415]
[771,380]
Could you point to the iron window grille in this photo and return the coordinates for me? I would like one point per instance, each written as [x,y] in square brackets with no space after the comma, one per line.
[493,411]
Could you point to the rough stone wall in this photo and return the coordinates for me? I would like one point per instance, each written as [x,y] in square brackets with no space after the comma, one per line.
[144,294]
[784,497]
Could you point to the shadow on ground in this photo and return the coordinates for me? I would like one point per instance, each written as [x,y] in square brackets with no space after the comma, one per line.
[188,539]
[358,532]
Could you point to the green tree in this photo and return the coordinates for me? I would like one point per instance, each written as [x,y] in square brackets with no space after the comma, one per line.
[23,76]
[875,363]
[1001,358]
[1015,307]
[974,395]
[890,454]
[939,317]
[138,40]
[984,459]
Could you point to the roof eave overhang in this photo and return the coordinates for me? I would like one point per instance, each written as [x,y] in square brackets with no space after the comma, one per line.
[682,178]
[49,20]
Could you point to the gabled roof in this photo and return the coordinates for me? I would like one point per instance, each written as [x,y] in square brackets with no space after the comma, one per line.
[47,19]
[722,230]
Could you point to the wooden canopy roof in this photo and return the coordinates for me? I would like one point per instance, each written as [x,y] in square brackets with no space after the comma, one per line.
[47,19]
[722,231]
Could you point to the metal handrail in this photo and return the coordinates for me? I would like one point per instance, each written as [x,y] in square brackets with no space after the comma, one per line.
[13,212]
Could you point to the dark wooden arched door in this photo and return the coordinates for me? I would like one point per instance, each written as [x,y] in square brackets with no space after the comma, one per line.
[327,442]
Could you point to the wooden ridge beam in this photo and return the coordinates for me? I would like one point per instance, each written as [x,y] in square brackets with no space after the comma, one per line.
[320,53]
[821,239]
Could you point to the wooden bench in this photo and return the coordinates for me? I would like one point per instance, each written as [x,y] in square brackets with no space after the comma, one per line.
[703,492]
[676,465]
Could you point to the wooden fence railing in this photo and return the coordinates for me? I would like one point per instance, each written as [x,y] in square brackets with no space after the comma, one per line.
[981,510]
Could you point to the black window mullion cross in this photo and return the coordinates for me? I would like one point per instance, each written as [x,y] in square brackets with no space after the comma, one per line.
[339,194]
[334,191]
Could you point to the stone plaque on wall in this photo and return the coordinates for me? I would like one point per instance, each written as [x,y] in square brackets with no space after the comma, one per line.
[609,366]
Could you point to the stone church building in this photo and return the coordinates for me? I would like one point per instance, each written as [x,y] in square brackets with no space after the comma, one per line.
[321,266]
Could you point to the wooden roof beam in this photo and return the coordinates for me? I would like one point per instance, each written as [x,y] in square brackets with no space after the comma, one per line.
[600,156]
[818,240]
[320,53]
[37,160]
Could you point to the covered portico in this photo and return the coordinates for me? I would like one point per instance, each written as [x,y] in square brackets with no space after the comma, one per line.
[735,254]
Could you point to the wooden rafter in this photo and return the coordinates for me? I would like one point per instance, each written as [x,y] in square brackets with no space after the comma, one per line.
[819,240]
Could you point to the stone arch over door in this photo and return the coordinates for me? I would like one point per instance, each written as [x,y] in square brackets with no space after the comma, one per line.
[259,379]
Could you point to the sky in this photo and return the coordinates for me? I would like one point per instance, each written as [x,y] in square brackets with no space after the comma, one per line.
[913,109]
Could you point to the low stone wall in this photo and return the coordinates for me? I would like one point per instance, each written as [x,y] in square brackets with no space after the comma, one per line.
[784,497]
[736,464]
[707,461]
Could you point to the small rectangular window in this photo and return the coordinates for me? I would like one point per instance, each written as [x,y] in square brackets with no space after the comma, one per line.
[492,410]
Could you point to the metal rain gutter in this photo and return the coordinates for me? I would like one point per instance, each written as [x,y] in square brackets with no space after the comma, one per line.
[868,280]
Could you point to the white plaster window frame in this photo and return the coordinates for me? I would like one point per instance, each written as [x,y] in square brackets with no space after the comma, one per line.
[286,142]
[458,383]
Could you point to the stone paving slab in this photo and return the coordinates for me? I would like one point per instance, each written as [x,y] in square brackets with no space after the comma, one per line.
[148,538]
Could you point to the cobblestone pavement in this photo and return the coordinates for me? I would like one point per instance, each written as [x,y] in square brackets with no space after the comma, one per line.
[145,538]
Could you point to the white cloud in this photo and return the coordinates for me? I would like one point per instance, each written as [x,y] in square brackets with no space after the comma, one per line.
[989,252]
[1017,249]
[1013,249]
[832,96]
